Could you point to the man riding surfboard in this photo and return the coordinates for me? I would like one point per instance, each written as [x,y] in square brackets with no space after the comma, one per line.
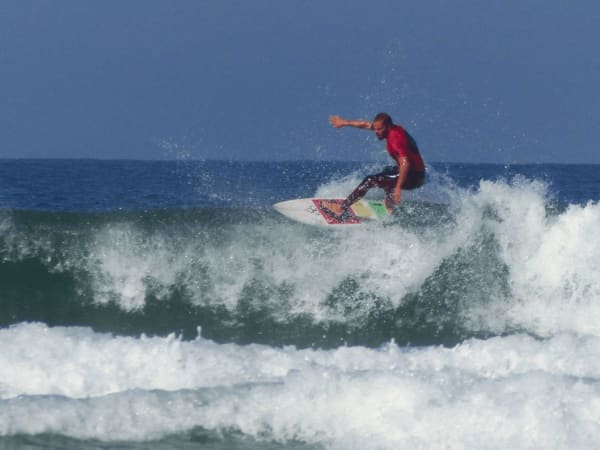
[407,174]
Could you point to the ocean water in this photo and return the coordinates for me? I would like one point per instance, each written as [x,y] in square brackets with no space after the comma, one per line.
[161,305]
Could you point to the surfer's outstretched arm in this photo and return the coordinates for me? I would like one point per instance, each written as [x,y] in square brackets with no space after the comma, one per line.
[338,122]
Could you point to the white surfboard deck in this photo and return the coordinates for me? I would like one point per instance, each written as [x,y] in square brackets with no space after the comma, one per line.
[313,211]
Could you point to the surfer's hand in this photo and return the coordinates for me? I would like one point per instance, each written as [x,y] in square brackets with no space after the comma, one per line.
[337,121]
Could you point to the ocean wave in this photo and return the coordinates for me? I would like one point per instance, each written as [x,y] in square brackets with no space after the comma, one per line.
[482,393]
[497,259]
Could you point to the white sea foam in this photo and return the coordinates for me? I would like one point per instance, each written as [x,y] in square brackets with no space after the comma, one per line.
[503,392]
[126,264]
[551,261]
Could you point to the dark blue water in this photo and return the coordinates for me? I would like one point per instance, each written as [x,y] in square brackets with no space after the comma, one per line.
[96,185]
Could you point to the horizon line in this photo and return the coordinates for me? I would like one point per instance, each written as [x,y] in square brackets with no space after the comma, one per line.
[230,160]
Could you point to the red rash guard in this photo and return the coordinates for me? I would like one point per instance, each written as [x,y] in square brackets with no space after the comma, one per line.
[401,144]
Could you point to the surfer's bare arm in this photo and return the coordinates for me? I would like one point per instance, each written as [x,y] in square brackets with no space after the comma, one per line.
[403,166]
[338,122]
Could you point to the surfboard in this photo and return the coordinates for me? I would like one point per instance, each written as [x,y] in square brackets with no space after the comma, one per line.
[322,211]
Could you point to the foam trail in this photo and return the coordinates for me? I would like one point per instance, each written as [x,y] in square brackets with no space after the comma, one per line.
[95,364]
[503,392]
[339,411]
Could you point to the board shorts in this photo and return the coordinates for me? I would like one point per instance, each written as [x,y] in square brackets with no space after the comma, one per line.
[413,179]
[386,180]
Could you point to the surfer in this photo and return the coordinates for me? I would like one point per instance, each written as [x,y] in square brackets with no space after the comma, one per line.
[407,174]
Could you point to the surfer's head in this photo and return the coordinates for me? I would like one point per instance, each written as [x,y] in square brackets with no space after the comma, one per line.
[382,124]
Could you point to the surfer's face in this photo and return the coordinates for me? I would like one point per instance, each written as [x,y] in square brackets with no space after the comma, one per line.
[381,130]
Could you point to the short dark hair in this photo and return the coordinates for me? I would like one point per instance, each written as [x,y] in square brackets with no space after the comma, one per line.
[385,118]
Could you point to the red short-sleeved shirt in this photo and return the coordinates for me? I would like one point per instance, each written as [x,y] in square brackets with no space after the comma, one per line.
[400,144]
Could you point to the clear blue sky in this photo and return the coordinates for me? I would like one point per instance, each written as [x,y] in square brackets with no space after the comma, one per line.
[484,81]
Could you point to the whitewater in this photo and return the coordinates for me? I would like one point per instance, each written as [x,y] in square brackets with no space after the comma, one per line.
[178,316]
